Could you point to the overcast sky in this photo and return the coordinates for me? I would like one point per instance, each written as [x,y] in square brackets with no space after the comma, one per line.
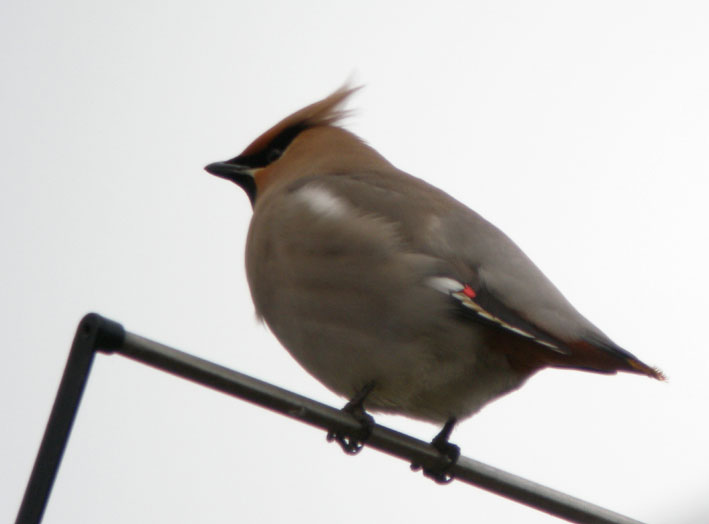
[579,128]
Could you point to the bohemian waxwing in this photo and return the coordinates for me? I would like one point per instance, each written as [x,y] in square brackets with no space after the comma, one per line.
[388,290]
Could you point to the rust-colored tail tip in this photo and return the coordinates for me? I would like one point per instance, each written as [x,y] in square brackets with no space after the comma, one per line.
[651,372]
[658,374]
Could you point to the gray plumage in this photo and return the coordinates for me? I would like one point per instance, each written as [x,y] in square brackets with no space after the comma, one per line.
[368,274]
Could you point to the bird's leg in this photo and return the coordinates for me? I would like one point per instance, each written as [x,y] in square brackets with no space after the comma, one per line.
[449,455]
[353,443]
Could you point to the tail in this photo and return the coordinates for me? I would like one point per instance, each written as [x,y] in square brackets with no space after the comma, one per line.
[594,354]
[642,368]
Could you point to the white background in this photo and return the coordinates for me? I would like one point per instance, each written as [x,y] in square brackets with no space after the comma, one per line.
[579,128]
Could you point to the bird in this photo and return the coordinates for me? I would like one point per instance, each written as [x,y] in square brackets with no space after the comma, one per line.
[389,291]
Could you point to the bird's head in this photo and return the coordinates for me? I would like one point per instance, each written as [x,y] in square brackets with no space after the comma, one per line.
[308,142]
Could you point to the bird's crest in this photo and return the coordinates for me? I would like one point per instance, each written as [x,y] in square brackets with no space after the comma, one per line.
[325,112]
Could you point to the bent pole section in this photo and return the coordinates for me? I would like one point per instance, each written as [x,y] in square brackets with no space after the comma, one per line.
[96,333]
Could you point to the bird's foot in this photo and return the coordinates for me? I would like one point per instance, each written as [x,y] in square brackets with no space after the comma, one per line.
[441,472]
[353,442]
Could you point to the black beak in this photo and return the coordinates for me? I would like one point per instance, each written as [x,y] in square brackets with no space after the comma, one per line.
[241,175]
[227,170]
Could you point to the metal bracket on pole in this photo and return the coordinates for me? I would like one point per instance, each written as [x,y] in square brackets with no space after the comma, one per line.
[96,333]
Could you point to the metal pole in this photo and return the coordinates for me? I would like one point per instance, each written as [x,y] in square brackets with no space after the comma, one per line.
[93,331]
[98,333]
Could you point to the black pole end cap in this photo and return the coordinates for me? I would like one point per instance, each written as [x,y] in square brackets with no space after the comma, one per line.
[109,334]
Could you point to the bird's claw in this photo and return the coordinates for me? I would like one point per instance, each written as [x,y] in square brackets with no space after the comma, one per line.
[441,471]
[353,442]
[449,453]
[350,444]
